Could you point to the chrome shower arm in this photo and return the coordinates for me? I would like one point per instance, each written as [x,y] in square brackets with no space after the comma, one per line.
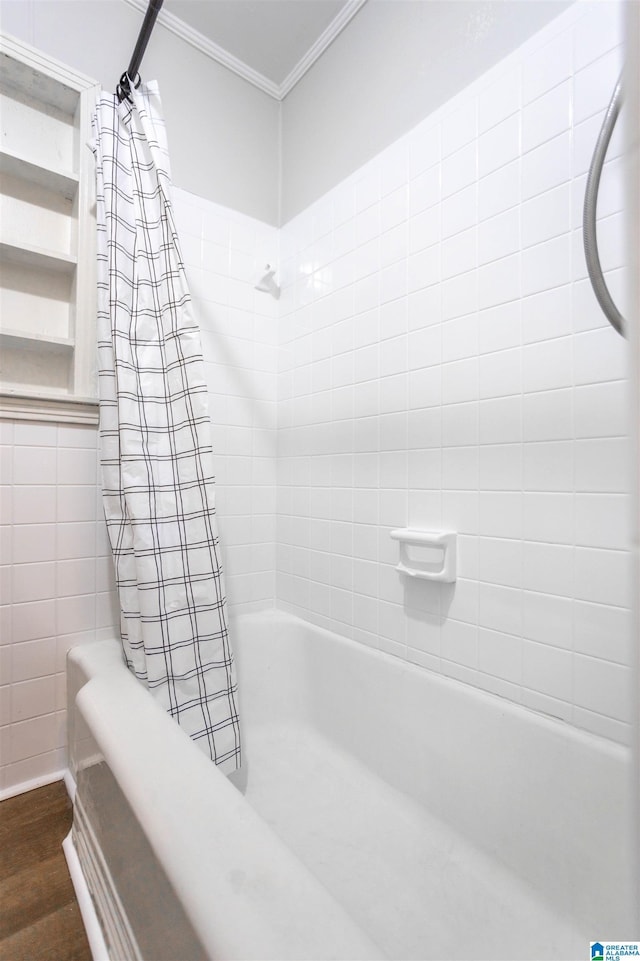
[589,232]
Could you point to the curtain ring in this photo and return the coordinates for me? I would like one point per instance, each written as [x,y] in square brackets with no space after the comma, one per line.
[123,90]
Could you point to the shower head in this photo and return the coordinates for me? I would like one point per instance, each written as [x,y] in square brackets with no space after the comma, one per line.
[267,283]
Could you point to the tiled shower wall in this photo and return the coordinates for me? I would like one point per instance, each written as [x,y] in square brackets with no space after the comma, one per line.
[56,581]
[225,254]
[442,363]
[445,366]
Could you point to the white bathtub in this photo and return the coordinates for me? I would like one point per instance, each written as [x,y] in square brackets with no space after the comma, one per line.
[387,812]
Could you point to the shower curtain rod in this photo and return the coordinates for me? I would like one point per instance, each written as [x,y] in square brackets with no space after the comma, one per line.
[129,77]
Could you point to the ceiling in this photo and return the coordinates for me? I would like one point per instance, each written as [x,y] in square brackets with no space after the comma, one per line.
[270,42]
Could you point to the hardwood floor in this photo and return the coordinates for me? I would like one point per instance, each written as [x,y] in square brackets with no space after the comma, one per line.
[39,916]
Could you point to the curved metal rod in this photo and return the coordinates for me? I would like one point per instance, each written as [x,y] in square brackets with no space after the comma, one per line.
[589,232]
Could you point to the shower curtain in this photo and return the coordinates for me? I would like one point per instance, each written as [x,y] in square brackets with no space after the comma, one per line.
[157,474]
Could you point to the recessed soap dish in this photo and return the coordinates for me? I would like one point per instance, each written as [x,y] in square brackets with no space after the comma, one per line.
[434,555]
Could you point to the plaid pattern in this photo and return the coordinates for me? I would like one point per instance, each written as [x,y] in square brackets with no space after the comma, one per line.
[156,453]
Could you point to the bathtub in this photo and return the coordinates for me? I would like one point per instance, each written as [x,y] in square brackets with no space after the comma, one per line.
[382,812]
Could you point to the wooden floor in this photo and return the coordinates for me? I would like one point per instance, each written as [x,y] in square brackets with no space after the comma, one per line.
[39,916]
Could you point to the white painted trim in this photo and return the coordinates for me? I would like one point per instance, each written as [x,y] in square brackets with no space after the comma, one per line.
[336,26]
[31,785]
[211,49]
[59,410]
[90,920]
[39,61]
[70,784]
[242,69]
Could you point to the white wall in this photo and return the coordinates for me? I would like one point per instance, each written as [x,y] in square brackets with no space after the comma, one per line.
[223,132]
[445,365]
[396,62]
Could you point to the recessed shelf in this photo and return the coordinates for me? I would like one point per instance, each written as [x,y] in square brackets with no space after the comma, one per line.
[26,78]
[21,340]
[64,182]
[38,257]
[47,239]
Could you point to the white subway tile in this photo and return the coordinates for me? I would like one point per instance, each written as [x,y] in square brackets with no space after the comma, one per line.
[459,170]
[459,642]
[499,145]
[548,67]
[424,229]
[547,365]
[603,631]
[548,619]
[34,505]
[500,467]
[500,373]
[460,296]
[499,327]
[424,190]
[547,670]
[600,29]
[500,654]
[546,315]
[546,265]
[499,100]
[460,211]
[460,425]
[548,568]
[548,466]
[424,147]
[499,282]
[546,216]
[593,85]
[460,381]
[460,127]
[499,236]
[424,349]
[500,514]
[602,687]
[500,609]
[501,420]
[548,517]
[600,355]
[500,561]
[600,410]
[546,117]
[602,465]
[602,576]
[548,415]
[602,520]
[423,632]
[460,468]
[33,698]
[547,166]
[460,338]
[460,253]
[500,190]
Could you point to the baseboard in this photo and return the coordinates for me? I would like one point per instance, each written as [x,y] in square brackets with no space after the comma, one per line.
[31,785]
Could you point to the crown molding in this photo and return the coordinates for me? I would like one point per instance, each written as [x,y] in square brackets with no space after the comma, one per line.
[336,26]
[242,69]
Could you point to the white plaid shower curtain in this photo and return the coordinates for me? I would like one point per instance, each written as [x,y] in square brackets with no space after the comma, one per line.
[157,471]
